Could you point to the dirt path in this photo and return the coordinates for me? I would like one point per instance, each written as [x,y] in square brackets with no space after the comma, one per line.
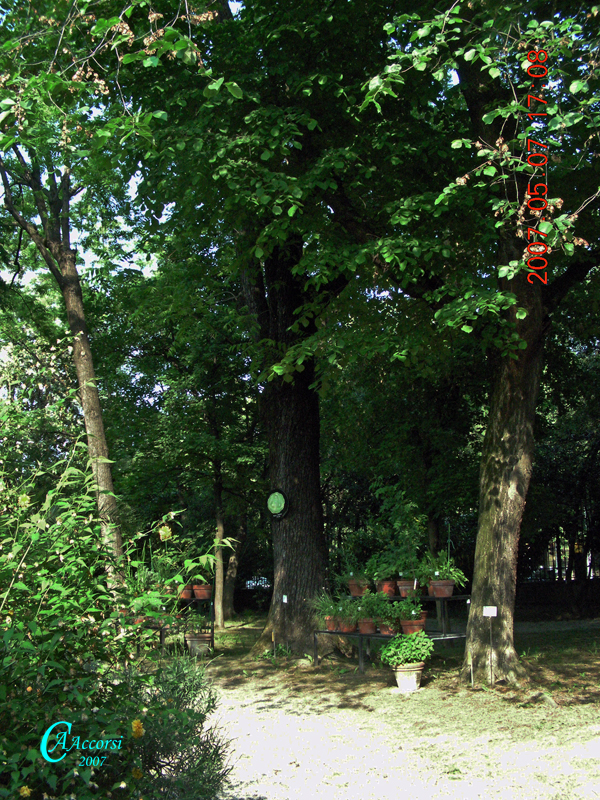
[334,734]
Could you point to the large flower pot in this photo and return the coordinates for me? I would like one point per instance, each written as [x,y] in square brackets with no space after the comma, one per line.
[430,589]
[198,643]
[357,587]
[385,629]
[387,587]
[412,625]
[367,626]
[347,627]
[202,591]
[408,676]
[331,623]
[442,588]
[404,587]
[186,593]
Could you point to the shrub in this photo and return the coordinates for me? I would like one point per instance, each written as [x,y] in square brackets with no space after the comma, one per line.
[63,648]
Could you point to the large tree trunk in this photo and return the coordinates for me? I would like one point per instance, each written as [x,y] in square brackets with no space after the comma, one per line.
[232,568]
[506,467]
[290,414]
[299,549]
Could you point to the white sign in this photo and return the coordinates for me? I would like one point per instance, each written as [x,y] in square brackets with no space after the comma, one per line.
[490,611]
[285,598]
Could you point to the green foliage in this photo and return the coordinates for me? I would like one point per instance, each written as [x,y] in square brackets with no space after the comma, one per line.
[372,605]
[409,608]
[324,606]
[441,568]
[409,649]
[62,652]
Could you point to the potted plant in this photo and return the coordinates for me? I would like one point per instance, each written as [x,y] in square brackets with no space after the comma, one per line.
[356,581]
[325,608]
[443,574]
[406,655]
[198,642]
[369,609]
[202,589]
[409,611]
[347,615]
[383,569]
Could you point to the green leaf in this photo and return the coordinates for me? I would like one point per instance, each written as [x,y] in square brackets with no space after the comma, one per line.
[491,171]
[160,115]
[503,272]
[521,313]
[151,61]
[234,89]
[494,72]
[292,210]
[266,155]
[469,55]
[578,86]
[467,328]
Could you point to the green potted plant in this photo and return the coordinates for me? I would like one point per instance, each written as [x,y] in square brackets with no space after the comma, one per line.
[443,574]
[406,655]
[356,581]
[347,615]
[325,609]
[407,563]
[383,569]
[410,613]
[369,609]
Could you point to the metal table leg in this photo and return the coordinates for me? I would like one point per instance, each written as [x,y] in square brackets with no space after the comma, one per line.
[361,661]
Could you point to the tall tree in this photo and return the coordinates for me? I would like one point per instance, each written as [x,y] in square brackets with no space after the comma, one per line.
[490,48]
[47,120]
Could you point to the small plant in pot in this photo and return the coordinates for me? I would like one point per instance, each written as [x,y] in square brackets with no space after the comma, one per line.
[326,611]
[356,581]
[410,612]
[443,574]
[406,655]
[347,615]
[383,569]
[369,609]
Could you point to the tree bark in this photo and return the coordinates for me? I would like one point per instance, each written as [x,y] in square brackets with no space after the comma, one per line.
[506,466]
[218,489]
[290,415]
[54,245]
[232,568]
[90,400]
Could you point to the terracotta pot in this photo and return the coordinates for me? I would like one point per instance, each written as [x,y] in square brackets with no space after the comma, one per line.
[412,625]
[346,627]
[357,587]
[202,591]
[442,588]
[406,586]
[367,626]
[198,643]
[387,587]
[408,676]
[430,589]
[385,629]
[331,623]
[186,593]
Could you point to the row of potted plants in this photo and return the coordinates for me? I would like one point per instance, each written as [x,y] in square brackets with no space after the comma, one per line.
[369,612]
[389,570]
